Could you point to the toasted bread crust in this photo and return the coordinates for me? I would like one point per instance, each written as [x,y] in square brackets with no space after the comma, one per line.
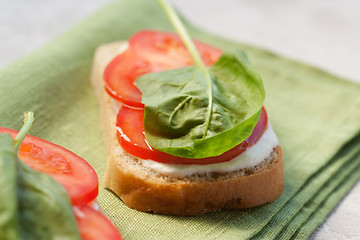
[146,191]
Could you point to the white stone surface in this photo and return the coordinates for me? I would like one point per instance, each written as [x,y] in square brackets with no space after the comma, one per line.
[322,33]
[26,25]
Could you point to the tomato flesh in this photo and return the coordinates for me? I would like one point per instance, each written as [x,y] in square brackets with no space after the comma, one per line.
[148,52]
[93,225]
[125,67]
[74,173]
[131,136]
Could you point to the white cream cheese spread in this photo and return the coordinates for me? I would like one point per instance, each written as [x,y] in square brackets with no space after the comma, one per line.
[251,157]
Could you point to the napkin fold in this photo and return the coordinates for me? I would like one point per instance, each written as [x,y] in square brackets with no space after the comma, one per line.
[316,116]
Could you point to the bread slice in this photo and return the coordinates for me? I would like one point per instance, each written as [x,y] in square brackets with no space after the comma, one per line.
[145,190]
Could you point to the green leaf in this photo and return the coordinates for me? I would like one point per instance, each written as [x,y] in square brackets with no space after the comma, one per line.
[9,227]
[177,118]
[44,210]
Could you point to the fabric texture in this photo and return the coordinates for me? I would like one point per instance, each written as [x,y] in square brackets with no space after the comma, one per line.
[316,116]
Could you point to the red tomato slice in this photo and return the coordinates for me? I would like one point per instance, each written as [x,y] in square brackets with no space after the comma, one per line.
[149,51]
[93,225]
[74,173]
[130,126]
[169,50]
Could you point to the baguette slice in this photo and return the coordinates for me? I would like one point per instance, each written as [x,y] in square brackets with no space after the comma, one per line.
[145,190]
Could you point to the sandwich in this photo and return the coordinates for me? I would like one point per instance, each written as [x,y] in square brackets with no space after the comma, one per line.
[184,125]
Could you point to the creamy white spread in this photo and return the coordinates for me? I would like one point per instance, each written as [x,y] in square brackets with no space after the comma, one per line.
[115,105]
[123,47]
[251,157]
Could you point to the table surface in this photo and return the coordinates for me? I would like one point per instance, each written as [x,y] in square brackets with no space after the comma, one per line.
[322,33]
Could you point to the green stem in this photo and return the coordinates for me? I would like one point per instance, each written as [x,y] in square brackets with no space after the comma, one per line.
[177,109]
[28,121]
[185,37]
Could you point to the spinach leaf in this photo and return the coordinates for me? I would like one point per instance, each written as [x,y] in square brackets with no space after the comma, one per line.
[177,101]
[198,112]
[44,208]
[9,228]
[32,204]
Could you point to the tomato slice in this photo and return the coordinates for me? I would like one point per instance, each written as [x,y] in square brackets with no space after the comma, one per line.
[94,225]
[127,68]
[149,51]
[74,173]
[168,50]
[131,136]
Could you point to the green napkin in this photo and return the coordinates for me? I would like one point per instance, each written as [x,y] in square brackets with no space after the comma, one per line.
[315,115]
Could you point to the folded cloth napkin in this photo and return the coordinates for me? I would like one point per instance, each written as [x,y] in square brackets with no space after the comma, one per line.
[315,115]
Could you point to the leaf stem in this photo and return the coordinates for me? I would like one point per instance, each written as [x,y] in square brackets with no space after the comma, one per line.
[185,37]
[177,109]
[28,121]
